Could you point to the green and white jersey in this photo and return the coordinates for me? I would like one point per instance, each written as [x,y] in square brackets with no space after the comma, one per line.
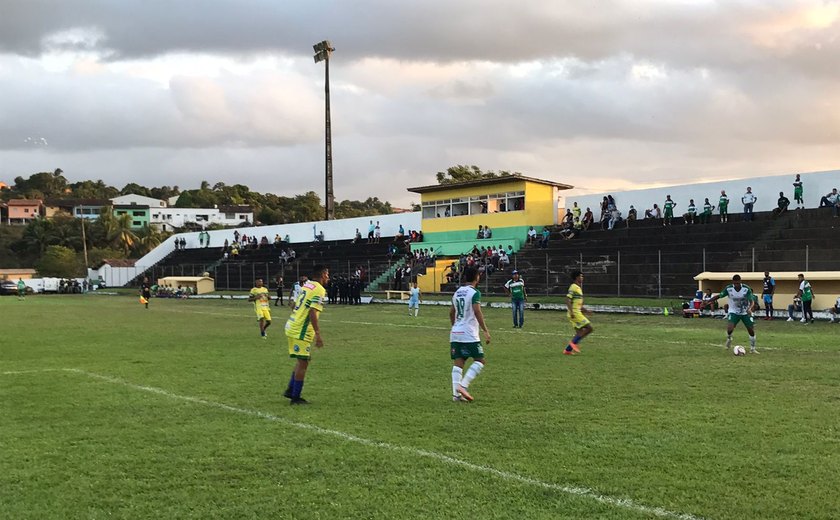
[669,205]
[723,202]
[465,328]
[807,294]
[739,301]
[692,209]
[517,289]
[707,208]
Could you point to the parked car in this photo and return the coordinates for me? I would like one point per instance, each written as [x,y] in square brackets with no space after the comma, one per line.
[10,287]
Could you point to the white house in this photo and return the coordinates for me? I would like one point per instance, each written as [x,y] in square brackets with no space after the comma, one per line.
[229,216]
[138,200]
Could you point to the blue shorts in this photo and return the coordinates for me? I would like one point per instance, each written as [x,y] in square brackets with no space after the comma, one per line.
[414,303]
[768,298]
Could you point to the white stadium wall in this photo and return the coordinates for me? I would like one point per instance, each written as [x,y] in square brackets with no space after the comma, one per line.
[816,184]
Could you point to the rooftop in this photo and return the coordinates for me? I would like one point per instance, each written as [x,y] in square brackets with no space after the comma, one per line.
[25,202]
[488,182]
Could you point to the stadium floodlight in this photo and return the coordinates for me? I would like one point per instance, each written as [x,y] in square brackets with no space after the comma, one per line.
[323,50]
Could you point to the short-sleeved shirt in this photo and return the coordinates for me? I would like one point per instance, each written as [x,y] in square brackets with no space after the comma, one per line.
[748,198]
[669,206]
[807,294]
[769,285]
[575,294]
[21,285]
[707,207]
[465,328]
[517,289]
[261,297]
[692,209]
[414,294]
[739,300]
[312,296]
[576,211]
[723,202]
[797,187]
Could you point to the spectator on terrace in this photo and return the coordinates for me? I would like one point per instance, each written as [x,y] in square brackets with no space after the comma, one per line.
[286,239]
[263,241]
[654,213]
[234,251]
[377,233]
[504,259]
[236,236]
[832,200]
[834,311]
[358,237]
[284,257]
[546,234]
[575,210]
[480,233]
[781,205]
[201,239]
[371,228]
[749,200]
[568,219]
[588,219]
[292,255]
[574,231]
[615,218]
[532,235]
[419,236]
[669,210]
[401,232]
[706,216]
[277,241]
[488,233]
[691,214]
[227,244]
[611,203]
[603,214]
[631,215]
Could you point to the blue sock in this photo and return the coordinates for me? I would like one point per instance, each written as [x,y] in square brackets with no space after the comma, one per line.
[291,382]
[576,339]
[297,388]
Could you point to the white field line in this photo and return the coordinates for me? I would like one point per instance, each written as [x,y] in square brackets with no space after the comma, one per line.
[33,371]
[583,492]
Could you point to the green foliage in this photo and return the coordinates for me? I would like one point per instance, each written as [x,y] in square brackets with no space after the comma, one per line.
[355,208]
[462,173]
[97,254]
[59,261]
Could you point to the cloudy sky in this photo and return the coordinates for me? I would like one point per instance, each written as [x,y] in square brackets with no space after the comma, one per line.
[603,95]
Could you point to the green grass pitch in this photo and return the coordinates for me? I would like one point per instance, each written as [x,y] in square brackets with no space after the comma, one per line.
[108,410]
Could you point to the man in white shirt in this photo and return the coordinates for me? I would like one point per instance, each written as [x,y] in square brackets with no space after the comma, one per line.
[832,200]
[835,310]
[749,200]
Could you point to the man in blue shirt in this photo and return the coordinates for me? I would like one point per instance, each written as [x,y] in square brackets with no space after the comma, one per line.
[767,295]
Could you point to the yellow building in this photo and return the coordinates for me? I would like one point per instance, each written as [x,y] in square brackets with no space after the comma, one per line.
[509,205]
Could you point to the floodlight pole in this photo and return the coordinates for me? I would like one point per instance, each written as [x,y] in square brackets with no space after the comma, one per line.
[322,53]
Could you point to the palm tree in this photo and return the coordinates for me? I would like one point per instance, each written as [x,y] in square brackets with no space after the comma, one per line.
[37,234]
[124,236]
[148,238]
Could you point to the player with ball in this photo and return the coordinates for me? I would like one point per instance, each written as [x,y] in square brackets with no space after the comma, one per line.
[741,306]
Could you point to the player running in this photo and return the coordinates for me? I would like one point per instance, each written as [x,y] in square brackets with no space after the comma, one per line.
[464,341]
[303,327]
[414,300]
[262,305]
[577,313]
[741,305]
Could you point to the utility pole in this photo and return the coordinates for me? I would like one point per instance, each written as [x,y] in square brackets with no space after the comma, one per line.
[322,53]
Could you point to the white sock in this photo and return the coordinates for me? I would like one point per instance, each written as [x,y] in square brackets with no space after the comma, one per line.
[474,370]
[728,340]
[416,312]
[456,379]
[752,342]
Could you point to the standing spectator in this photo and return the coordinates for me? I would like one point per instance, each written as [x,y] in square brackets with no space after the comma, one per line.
[706,216]
[588,219]
[749,201]
[480,233]
[604,204]
[669,210]
[515,288]
[286,239]
[201,239]
[377,233]
[371,228]
[723,207]
[358,237]
[575,210]
[798,193]
[401,232]
[832,200]
[767,295]
[807,295]
[691,213]
[568,219]
[795,307]
[206,239]
[782,205]
[545,236]
[279,299]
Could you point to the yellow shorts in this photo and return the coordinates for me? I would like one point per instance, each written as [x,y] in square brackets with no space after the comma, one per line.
[263,313]
[579,321]
[299,348]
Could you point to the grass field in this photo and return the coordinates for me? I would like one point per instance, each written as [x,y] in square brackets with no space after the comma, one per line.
[108,410]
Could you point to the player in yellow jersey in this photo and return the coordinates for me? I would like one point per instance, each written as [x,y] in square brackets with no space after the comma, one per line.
[577,313]
[303,327]
[262,300]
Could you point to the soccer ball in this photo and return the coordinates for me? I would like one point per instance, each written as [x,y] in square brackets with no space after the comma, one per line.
[738,350]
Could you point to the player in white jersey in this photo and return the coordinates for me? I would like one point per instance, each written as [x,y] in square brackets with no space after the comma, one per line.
[295,292]
[741,306]
[414,300]
[464,341]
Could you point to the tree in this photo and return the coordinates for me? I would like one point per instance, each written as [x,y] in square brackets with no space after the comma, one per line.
[97,254]
[148,238]
[133,188]
[462,173]
[59,261]
[36,236]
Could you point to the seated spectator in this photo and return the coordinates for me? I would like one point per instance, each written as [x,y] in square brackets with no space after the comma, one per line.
[781,205]
[488,233]
[832,200]
[588,219]
[480,233]
[834,311]
[568,219]
[574,231]
[400,233]
[713,306]
[615,218]
[691,214]
[358,237]
[532,235]
[631,215]
[546,234]
[706,216]
[278,240]
[419,236]
[654,212]
[292,255]
[286,239]
[795,307]
[504,260]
